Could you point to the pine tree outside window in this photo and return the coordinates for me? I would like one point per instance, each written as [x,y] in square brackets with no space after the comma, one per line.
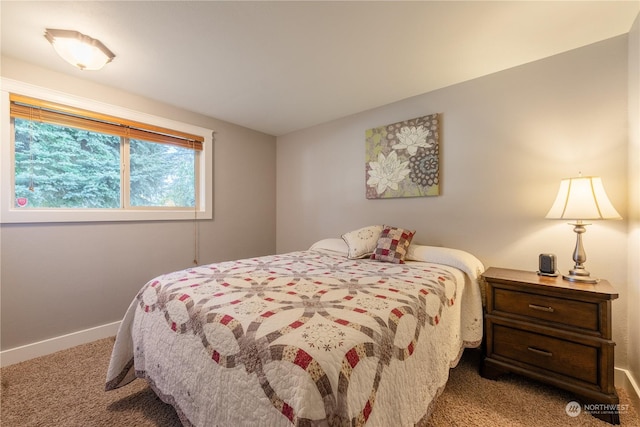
[66,159]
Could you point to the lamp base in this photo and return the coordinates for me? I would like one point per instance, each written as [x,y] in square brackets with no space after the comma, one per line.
[580,278]
[578,273]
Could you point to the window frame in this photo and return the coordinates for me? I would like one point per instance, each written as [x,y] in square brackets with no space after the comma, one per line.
[9,213]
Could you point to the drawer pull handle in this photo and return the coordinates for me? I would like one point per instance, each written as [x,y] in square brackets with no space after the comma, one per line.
[541,308]
[540,352]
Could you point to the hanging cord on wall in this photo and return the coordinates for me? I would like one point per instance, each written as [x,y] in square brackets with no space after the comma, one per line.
[195,236]
[195,210]
[195,206]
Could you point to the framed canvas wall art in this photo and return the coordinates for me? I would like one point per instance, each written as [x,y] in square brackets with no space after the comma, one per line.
[402,159]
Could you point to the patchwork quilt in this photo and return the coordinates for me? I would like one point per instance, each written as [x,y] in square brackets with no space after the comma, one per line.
[306,338]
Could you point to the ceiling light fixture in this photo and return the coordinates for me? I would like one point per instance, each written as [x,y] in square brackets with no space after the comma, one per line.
[78,49]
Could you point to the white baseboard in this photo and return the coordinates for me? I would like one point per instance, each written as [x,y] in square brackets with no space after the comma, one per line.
[42,348]
[624,379]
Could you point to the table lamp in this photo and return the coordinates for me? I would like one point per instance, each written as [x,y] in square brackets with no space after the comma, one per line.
[581,198]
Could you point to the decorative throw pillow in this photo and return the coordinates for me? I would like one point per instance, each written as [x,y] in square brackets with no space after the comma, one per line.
[392,245]
[363,241]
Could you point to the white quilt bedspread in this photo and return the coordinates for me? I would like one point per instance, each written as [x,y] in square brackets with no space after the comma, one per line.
[304,338]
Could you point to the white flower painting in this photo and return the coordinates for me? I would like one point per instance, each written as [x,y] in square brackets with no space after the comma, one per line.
[402,159]
[387,172]
[411,138]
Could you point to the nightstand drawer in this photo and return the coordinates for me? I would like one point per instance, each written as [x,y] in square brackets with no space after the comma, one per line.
[562,311]
[553,354]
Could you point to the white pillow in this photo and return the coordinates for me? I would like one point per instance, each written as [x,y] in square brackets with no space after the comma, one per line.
[452,257]
[331,245]
[362,242]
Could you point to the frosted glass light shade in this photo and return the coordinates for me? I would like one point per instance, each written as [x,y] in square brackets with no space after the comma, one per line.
[582,198]
[79,50]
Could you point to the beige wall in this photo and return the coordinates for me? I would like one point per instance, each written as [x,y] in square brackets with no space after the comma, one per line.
[506,141]
[634,200]
[61,278]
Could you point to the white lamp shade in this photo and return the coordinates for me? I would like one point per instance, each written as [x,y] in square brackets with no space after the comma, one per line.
[79,50]
[582,198]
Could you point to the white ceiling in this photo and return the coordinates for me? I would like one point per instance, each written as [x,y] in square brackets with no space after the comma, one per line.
[278,66]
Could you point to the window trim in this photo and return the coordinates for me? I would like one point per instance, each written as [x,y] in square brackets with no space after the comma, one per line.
[11,214]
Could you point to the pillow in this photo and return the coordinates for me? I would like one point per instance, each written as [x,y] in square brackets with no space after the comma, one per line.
[453,257]
[392,245]
[363,241]
[332,245]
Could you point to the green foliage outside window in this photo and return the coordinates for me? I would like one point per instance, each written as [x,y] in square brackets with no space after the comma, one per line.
[64,167]
[161,175]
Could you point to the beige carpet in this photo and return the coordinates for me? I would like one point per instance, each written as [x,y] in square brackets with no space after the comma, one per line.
[67,389]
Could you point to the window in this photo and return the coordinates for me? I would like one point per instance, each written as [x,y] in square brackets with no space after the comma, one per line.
[63,167]
[69,163]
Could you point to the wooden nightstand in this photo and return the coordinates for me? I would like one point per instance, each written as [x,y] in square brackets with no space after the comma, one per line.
[554,331]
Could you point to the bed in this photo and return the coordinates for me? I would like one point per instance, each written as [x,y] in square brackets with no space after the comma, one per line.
[307,338]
